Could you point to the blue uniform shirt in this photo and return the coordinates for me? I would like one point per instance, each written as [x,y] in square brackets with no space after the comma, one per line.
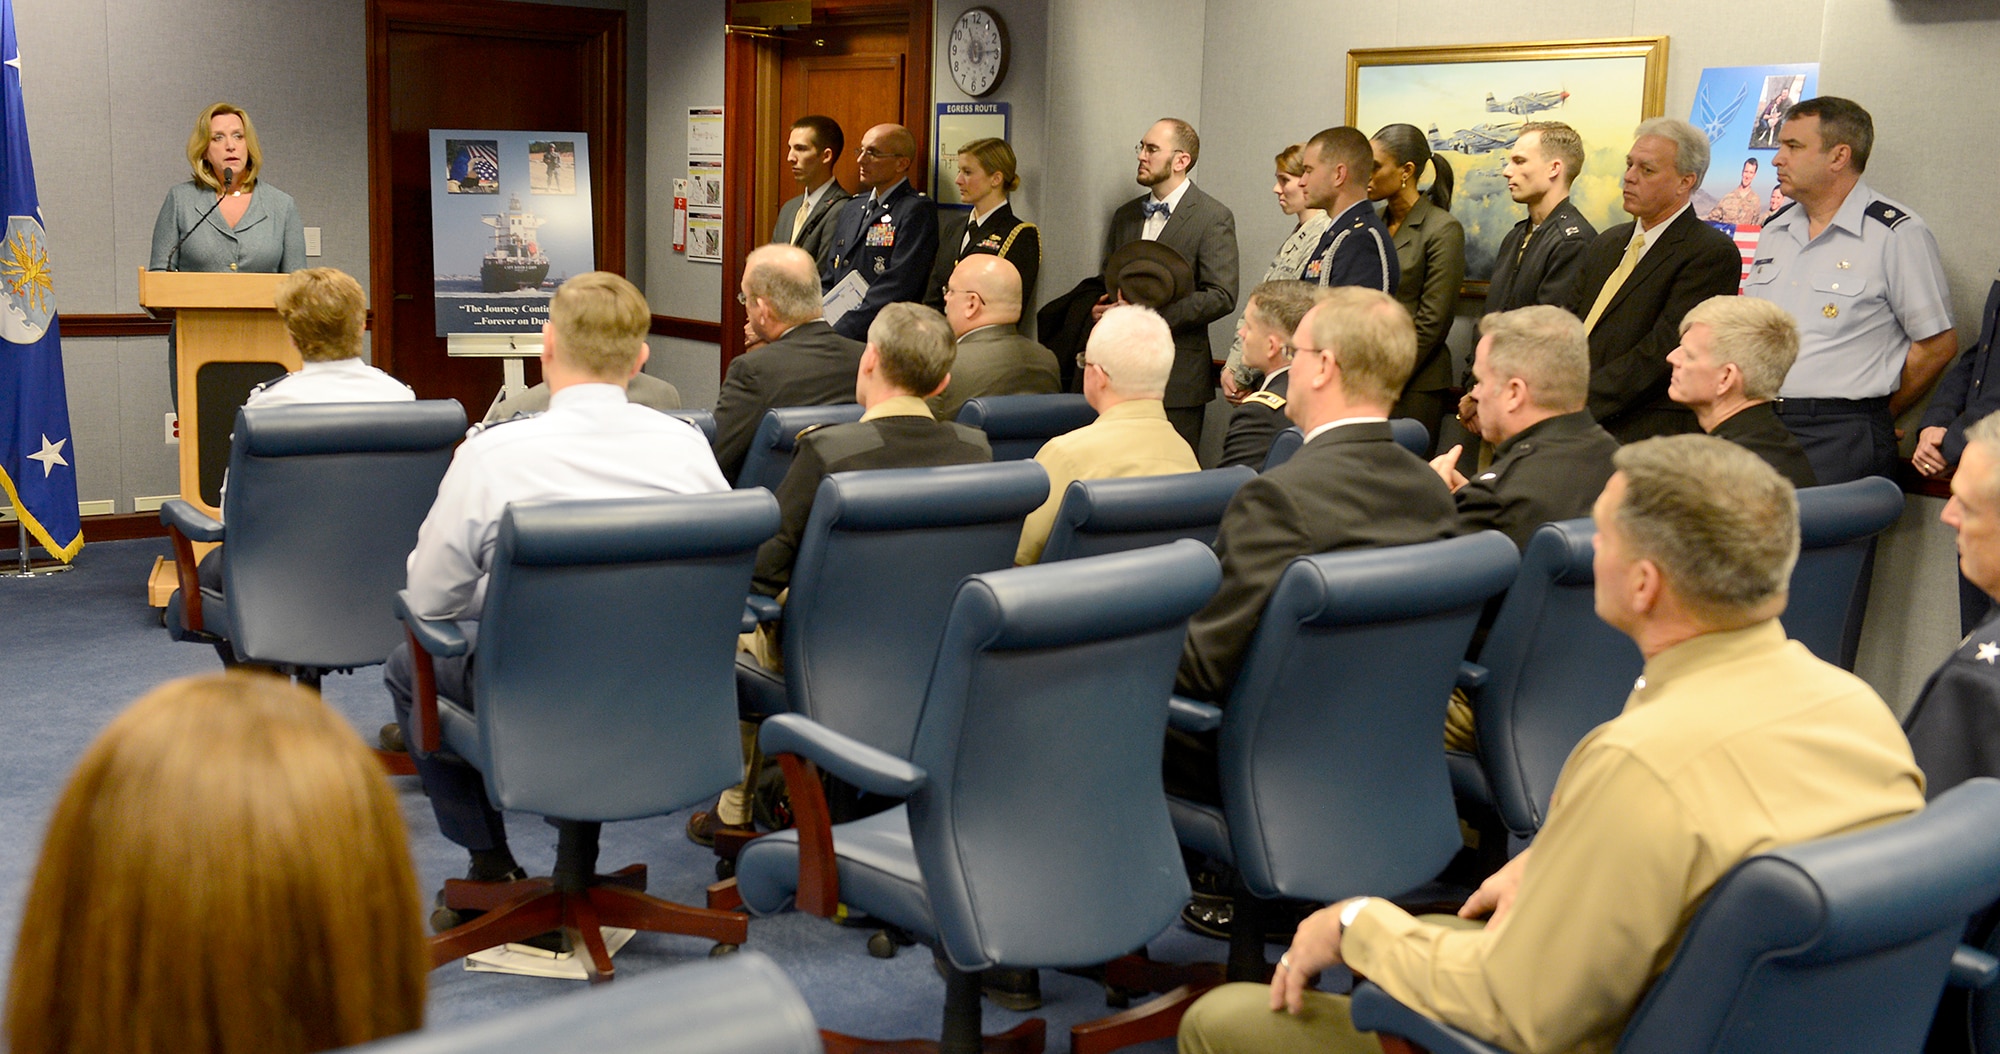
[1862,292]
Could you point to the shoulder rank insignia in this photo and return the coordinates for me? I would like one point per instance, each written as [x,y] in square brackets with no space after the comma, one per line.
[806,431]
[1887,213]
[1271,400]
[484,425]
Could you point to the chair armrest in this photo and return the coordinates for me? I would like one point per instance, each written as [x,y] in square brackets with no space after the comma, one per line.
[194,524]
[872,770]
[1189,716]
[1375,1011]
[1472,675]
[185,526]
[436,637]
[1972,968]
[759,609]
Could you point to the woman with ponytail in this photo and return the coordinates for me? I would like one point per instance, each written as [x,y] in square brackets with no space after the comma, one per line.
[1430,249]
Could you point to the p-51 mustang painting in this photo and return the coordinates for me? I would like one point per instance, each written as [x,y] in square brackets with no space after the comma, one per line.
[1532,102]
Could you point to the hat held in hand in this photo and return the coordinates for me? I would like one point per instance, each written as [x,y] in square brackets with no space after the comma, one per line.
[1147,273]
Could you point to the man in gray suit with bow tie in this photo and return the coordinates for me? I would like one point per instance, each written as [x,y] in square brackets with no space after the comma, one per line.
[806,221]
[1181,216]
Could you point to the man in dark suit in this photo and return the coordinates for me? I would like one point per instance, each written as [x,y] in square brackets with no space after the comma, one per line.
[1188,220]
[1356,249]
[807,220]
[1733,356]
[1531,374]
[1349,487]
[803,362]
[886,235]
[1640,278]
[983,303]
[1542,256]
[1271,313]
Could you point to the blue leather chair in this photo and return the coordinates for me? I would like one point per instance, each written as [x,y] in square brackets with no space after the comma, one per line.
[1283,447]
[739,1004]
[1410,434]
[1099,516]
[770,455]
[1035,832]
[1841,944]
[881,555]
[1552,671]
[604,693]
[1837,529]
[701,419]
[1017,425]
[321,510]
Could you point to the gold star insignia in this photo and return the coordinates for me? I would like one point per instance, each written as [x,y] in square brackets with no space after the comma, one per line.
[1830,311]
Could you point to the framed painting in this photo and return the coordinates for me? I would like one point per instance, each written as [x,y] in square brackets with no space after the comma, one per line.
[1473,100]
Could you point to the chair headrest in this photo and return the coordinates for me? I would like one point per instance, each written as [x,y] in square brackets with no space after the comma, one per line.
[947,496]
[349,428]
[1562,552]
[1133,503]
[1846,512]
[1046,605]
[1403,581]
[624,530]
[1024,416]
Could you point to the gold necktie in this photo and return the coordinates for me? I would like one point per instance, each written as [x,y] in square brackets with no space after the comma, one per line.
[799,221]
[1617,278]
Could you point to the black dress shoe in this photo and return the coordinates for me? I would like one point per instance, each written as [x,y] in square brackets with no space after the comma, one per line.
[391,739]
[444,918]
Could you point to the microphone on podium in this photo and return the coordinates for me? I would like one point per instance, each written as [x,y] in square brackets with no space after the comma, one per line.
[228,178]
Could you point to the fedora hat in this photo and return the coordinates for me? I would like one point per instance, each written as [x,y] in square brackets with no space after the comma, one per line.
[1147,273]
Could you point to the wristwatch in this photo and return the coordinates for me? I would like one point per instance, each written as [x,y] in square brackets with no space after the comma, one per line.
[1351,912]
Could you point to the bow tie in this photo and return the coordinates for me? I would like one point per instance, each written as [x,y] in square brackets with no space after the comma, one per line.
[1156,208]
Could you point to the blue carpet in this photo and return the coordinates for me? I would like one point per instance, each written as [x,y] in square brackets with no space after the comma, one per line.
[76,648]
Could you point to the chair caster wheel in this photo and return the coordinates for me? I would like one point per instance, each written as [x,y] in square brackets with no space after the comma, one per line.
[725,870]
[881,945]
[721,950]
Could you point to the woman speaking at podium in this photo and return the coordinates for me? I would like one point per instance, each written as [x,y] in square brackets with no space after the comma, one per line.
[226,218]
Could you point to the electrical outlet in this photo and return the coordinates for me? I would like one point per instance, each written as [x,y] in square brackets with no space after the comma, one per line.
[151,503]
[173,429]
[312,241]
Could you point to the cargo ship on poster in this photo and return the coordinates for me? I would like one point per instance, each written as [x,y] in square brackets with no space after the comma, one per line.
[516,261]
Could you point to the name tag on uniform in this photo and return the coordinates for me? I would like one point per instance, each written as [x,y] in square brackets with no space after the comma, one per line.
[882,235]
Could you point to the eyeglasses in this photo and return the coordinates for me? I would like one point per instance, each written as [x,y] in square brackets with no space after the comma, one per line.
[1083,363]
[1149,149]
[744,300]
[870,153]
[1294,350]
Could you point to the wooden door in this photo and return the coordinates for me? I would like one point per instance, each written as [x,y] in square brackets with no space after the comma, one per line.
[444,64]
[862,63]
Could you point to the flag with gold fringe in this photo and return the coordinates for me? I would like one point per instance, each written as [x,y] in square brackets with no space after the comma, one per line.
[37,459]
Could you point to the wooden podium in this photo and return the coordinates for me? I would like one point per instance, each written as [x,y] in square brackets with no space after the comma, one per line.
[229,340]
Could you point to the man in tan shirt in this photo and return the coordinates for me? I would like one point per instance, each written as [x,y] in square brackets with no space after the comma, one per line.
[1735,741]
[1125,366]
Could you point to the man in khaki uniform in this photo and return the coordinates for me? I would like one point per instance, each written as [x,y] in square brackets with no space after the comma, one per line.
[1734,742]
[1125,366]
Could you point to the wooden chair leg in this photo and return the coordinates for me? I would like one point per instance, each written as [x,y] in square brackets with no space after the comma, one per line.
[396,762]
[585,932]
[724,896]
[618,906]
[1158,1019]
[531,915]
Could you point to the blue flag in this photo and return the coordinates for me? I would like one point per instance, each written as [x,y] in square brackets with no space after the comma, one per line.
[37,460]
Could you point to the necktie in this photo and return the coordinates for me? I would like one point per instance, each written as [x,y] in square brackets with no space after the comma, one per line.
[1156,208]
[1617,278]
[799,222]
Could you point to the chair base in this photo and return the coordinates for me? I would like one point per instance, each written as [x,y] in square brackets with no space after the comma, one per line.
[1028,1037]
[1154,1020]
[396,762]
[521,910]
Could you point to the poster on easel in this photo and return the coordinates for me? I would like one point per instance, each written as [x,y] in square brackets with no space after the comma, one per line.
[510,220]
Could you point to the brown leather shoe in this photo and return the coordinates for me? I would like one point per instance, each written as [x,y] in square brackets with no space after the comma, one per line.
[704,823]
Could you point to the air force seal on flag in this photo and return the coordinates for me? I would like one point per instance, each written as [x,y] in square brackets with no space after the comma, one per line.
[27,281]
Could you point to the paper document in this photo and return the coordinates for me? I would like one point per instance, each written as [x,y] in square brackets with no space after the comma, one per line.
[845,296]
[529,961]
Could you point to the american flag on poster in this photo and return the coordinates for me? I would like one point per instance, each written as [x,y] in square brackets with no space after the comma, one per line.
[485,162]
[1745,238]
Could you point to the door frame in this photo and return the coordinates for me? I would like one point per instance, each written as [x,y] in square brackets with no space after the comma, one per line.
[750,68]
[601,29]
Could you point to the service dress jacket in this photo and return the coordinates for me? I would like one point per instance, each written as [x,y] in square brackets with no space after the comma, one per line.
[1551,470]
[995,360]
[891,243]
[1540,265]
[1003,234]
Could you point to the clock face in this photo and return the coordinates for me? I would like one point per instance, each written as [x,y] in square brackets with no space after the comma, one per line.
[978,52]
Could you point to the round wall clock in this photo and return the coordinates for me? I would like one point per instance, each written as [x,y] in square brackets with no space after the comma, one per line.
[978,51]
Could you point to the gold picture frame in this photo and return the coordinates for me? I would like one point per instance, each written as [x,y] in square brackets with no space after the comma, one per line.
[1602,88]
